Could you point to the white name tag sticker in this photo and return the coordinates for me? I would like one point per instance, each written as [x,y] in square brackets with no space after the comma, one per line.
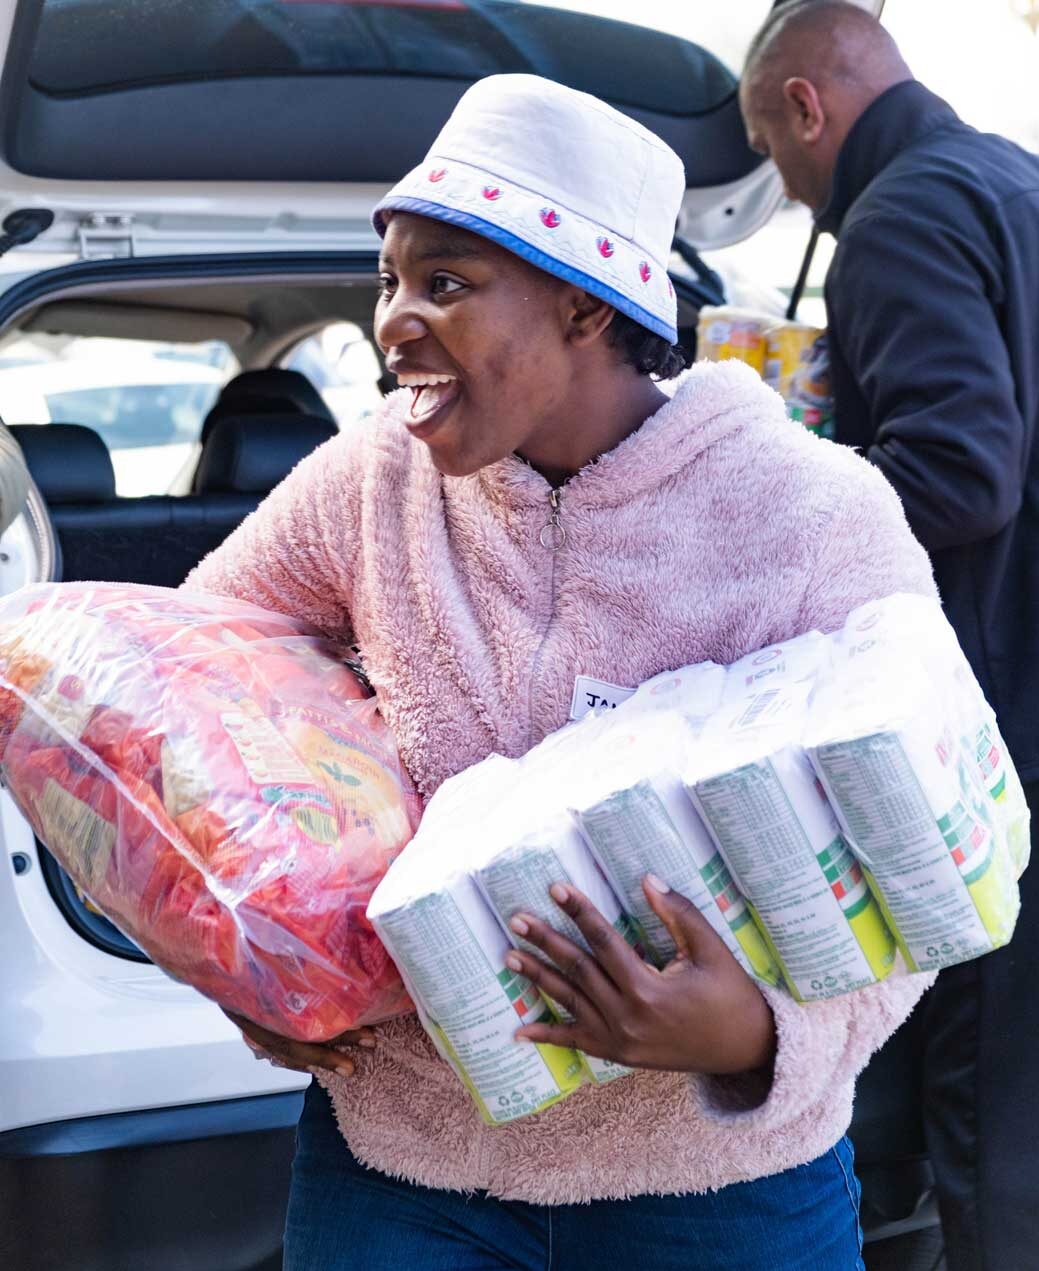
[591,695]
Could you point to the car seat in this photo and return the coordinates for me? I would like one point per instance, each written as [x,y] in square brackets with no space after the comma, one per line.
[270,391]
[158,539]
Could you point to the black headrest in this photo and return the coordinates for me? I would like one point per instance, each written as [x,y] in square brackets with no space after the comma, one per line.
[250,454]
[273,391]
[69,462]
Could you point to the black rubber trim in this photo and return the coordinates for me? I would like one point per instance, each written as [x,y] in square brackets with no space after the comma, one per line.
[94,928]
[154,1126]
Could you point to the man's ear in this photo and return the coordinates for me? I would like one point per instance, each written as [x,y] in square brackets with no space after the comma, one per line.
[805,109]
[587,317]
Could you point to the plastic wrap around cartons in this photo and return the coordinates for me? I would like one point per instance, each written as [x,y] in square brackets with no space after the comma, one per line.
[902,740]
[641,820]
[221,786]
[451,948]
[756,791]
[825,802]
[518,877]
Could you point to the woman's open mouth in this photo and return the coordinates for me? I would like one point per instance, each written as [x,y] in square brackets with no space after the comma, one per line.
[432,397]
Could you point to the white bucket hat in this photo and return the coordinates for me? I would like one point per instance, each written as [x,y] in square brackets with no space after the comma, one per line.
[563,180]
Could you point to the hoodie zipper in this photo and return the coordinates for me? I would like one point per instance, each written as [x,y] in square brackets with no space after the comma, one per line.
[552,535]
[552,538]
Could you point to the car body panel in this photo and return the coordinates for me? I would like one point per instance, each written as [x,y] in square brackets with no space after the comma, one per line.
[95,218]
[87,1033]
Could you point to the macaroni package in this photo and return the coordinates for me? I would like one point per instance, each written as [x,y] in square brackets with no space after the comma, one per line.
[219,784]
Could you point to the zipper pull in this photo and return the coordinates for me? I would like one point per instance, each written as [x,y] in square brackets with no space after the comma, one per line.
[553,536]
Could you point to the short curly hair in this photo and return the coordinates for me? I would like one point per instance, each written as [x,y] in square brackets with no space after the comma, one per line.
[649,354]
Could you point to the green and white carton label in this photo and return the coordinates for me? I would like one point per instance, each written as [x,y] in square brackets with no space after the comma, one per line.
[773,826]
[517,879]
[451,951]
[923,827]
[653,827]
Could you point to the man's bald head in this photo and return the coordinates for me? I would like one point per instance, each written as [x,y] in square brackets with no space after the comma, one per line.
[812,70]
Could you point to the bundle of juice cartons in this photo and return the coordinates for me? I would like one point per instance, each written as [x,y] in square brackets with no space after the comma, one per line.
[790,357]
[839,807]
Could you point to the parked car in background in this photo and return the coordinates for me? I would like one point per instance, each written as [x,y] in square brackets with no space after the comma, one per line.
[145,400]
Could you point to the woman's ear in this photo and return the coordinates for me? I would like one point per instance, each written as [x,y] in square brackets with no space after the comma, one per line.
[587,318]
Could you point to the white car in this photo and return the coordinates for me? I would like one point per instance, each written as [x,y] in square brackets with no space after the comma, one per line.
[190,173]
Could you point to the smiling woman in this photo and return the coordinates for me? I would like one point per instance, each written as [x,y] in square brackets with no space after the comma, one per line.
[481,338]
[533,506]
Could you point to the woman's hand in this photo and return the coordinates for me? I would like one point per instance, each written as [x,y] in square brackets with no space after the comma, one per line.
[701,1013]
[303,1056]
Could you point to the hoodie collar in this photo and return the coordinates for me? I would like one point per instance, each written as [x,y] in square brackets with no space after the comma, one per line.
[709,401]
[899,118]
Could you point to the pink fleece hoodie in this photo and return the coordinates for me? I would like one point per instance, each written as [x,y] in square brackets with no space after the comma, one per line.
[715,529]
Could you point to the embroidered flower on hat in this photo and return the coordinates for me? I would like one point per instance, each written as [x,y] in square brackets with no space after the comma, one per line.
[492,192]
[437,174]
[645,273]
[550,218]
[606,248]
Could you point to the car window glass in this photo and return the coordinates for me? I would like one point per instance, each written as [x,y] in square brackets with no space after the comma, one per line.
[146,400]
[342,365]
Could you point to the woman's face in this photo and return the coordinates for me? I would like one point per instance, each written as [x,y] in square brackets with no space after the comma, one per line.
[478,337]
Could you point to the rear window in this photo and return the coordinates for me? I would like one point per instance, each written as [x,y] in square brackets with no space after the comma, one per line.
[342,365]
[96,45]
[137,416]
[147,400]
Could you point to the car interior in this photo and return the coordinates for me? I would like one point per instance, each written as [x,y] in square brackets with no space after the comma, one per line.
[264,421]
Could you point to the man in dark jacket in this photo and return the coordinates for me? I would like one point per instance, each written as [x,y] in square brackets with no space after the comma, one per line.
[933,309]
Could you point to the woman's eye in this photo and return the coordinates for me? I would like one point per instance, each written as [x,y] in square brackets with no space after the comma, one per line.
[387,283]
[444,286]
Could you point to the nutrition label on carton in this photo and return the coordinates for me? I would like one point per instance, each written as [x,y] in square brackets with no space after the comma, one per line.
[632,834]
[476,1004]
[518,880]
[773,829]
[926,862]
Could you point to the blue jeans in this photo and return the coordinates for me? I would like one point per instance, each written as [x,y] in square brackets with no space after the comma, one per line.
[344,1217]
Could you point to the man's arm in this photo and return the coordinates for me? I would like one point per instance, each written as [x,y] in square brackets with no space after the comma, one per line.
[913,309]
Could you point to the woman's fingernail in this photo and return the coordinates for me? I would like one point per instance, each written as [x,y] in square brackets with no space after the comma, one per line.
[657,884]
[559,893]
[520,926]
[513,963]
[520,1038]
[367,1042]
[345,1069]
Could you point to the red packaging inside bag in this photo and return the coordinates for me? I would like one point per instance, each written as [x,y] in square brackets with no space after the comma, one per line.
[220,785]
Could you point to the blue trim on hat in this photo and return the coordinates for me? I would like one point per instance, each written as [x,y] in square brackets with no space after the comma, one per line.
[517,245]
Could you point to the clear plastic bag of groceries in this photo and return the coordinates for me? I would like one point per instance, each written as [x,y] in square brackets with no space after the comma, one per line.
[219,783]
